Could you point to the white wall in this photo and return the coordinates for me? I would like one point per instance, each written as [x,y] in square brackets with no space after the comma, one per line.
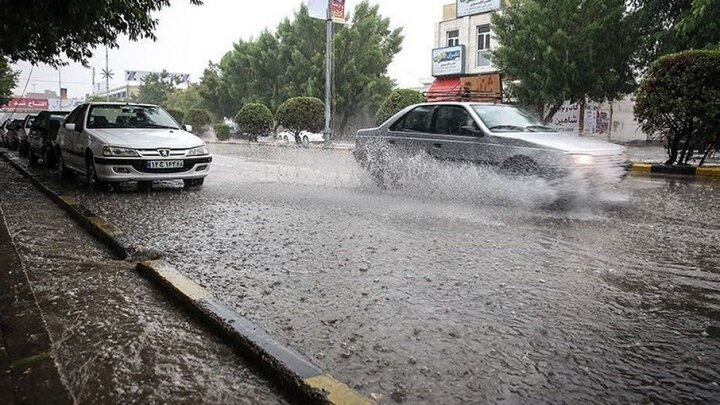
[468,37]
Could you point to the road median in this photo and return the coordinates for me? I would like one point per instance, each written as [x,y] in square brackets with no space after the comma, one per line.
[654,168]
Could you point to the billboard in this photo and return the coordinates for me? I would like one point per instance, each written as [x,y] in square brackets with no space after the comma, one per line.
[319,9]
[448,61]
[472,7]
[27,104]
[139,75]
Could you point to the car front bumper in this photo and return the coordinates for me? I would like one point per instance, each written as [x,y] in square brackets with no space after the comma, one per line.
[114,169]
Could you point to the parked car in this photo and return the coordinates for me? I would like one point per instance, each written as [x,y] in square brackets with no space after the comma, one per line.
[23,147]
[12,135]
[42,140]
[120,142]
[3,132]
[307,137]
[498,135]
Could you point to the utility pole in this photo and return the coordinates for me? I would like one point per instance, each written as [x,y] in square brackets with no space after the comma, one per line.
[59,85]
[328,74]
[107,76]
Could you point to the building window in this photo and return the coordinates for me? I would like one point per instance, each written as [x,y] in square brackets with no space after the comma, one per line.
[483,45]
[453,38]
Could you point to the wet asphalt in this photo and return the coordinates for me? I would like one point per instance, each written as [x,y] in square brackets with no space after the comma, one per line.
[115,337]
[460,285]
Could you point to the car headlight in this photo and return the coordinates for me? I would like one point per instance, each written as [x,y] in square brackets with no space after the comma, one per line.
[580,159]
[120,152]
[200,150]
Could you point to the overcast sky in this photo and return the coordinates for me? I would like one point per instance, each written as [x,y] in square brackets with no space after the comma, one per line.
[190,36]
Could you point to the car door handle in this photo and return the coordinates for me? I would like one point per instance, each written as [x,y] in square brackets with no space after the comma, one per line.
[391,141]
[437,146]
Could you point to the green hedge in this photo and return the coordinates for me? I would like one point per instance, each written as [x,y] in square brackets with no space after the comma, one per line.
[222,132]
[198,118]
[396,102]
[301,114]
[255,120]
[177,114]
[679,102]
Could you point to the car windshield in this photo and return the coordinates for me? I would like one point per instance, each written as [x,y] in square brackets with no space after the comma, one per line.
[505,118]
[129,116]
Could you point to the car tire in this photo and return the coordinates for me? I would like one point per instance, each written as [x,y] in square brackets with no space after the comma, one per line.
[64,171]
[32,158]
[91,178]
[23,150]
[520,166]
[49,159]
[193,183]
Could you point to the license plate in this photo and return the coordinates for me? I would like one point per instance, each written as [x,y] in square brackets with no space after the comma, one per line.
[165,164]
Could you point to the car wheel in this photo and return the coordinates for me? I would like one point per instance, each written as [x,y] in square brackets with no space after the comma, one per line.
[144,185]
[91,178]
[520,166]
[64,171]
[49,159]
[192,183]
[23,150]
[32,158]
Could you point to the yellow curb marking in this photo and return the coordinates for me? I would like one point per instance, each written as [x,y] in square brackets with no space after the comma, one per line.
[641,168]
[178,281]
[338,393]
[105,226]
[70,200]
[708,171]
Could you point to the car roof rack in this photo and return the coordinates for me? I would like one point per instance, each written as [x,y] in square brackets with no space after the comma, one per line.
[463,95]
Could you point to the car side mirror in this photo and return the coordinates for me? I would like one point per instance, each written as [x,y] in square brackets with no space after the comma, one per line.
[187,128]
[472,129]
[70,126]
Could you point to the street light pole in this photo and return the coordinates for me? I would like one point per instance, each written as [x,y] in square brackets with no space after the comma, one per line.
[328,74]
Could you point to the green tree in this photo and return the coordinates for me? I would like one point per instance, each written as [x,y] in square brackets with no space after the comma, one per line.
[396,102]
[155,89]
[679,102]
[669,26]
[255,119]
[179,115]
[8,78]
[222,131]
[299,114]
[185,99]
[565,50]
[198,118]
[73,27]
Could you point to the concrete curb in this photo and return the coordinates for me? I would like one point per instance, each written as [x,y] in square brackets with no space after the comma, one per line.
[112,236]
[284,365]
[283,145]
[281,364]
[647,168]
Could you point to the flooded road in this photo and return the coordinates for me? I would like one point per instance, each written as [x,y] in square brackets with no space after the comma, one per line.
[456,288]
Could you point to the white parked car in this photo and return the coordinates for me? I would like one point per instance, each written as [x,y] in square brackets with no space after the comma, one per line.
[120,142]
[306,137]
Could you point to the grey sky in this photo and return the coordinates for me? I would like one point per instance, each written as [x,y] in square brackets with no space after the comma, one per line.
[189,36]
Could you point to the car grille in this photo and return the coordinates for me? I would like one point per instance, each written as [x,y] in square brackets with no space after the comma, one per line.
[141,164]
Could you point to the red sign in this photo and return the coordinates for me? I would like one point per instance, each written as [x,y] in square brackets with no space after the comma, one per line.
[27,104]
[337,10]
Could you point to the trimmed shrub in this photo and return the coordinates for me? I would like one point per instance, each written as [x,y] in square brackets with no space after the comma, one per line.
[301,114]
[177,114]
[198,118]
[396,101]
[222,132]
[679,102]
[255,120]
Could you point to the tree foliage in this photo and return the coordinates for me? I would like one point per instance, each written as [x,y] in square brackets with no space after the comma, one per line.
[669,26]
[155,89]
[198,118]
[565,50]
[255,119]
[679,101]
[41,31]
[185,99]
[8,78]
[396,101]
[299,114]
[291,62]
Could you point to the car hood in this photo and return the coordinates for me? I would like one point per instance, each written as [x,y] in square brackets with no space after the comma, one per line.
[565,142]
[147,138]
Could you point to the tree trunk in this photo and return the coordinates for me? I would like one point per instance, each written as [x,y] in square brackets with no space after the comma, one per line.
[581,119]
[673,150]
[298,140]
[712,147]
[551,113]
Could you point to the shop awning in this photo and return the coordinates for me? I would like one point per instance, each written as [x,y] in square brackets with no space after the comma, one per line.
[444,89]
